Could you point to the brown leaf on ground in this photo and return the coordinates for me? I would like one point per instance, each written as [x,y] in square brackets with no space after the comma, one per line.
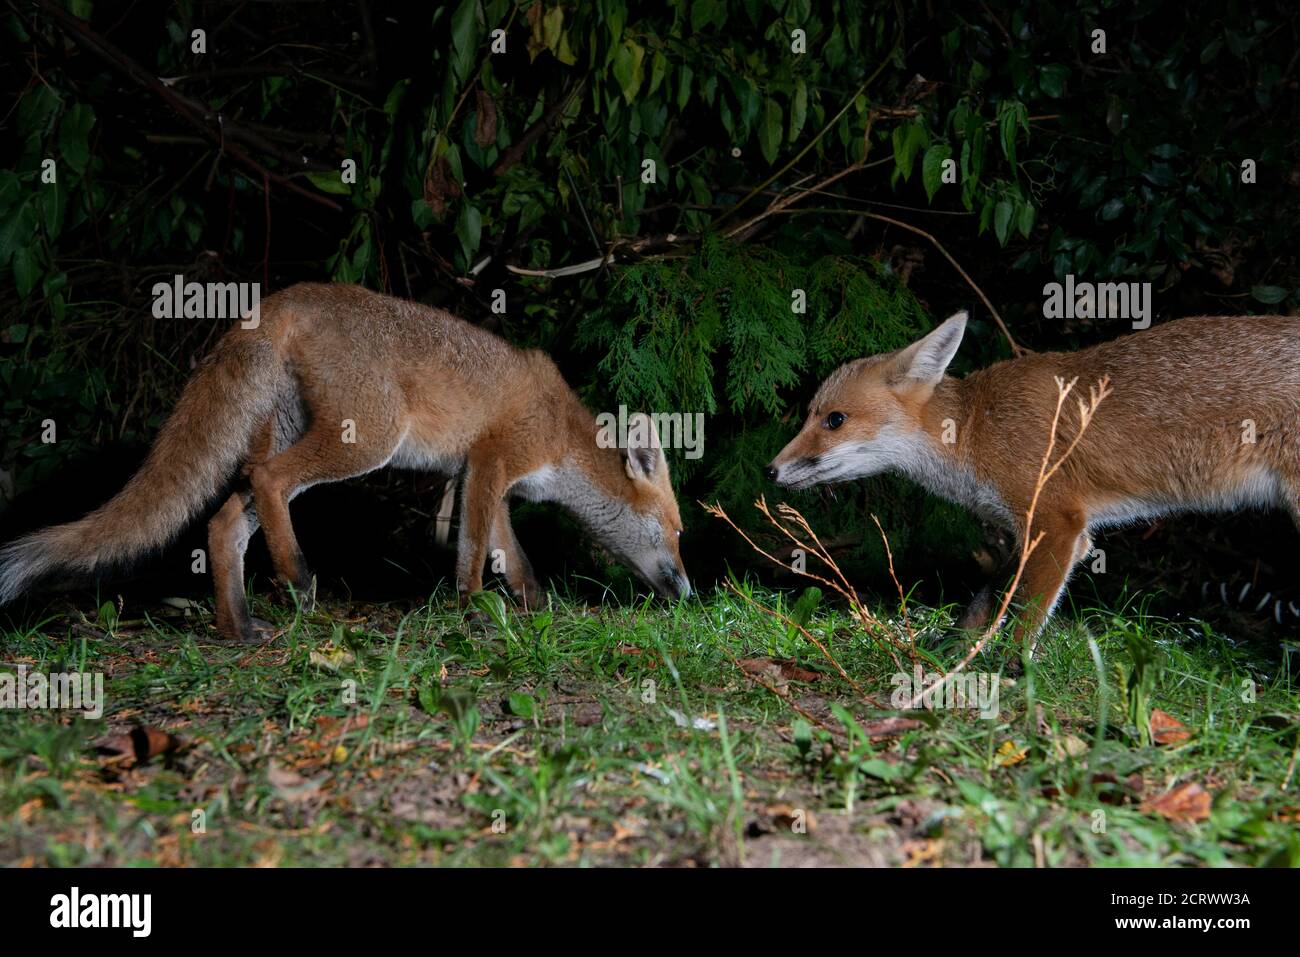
[1040,720]
[1166,729]
[329,657]
[1068,746]
[793,672]
[888,727]
[330,727]
[785,817]
[912,814]
[651,661]
[577,711]
[138,745]
[630,827]
[1010,753]
[923,852]
[767,672]
[290,786]
[1185,803]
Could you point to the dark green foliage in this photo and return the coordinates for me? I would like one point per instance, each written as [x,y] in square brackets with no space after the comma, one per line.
[720,332]
[1125,162]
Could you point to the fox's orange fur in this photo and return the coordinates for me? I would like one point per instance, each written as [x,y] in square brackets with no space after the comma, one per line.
[422,390]
[1175,435]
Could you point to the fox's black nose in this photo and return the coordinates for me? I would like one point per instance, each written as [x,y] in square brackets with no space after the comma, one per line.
[769,473]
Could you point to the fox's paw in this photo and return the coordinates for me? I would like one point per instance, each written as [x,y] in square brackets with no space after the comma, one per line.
[302,591]
[473,616]
[528,597]
[248,631]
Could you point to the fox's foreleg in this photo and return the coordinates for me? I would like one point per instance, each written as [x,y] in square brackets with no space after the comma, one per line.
[514,563]
[483,491]
[1064,542]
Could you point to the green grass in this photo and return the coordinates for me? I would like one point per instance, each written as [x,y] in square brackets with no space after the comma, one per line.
[629,735]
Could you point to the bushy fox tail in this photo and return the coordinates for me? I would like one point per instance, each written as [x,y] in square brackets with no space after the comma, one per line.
[233,390]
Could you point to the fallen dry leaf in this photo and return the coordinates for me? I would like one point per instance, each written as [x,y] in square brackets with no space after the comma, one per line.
[766,672]
[1040,720]
[269,854]
[923,851]
[784,667]
[794,673]
[138,745]
[290,786]
[331,727]
[1185,803]
[796,820]
[1166,729]
[629,827]
[699,724]
[1010,753]
[650,660]
[1069,746]
[330,657]
[887,727]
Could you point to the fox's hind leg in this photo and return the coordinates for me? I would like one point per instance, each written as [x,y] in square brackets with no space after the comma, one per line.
[334,448]
[228,535]
[235,523]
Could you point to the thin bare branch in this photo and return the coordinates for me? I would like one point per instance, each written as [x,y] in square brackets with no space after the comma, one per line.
[1096,395]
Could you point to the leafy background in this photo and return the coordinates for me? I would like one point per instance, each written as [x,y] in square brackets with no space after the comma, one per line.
[472,166]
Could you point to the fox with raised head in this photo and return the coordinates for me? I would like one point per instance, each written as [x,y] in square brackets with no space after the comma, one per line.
[1204,415]
[336,381]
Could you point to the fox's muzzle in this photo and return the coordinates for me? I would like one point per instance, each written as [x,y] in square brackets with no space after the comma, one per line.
[666,579]
[670,583]
[789,473]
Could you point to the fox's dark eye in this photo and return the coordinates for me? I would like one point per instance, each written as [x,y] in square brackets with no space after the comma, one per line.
[835,420]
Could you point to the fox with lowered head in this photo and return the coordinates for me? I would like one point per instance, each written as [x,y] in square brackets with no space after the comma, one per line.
[335,381]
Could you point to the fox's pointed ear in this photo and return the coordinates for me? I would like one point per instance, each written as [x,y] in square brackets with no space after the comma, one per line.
[645,456]
[927,359]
